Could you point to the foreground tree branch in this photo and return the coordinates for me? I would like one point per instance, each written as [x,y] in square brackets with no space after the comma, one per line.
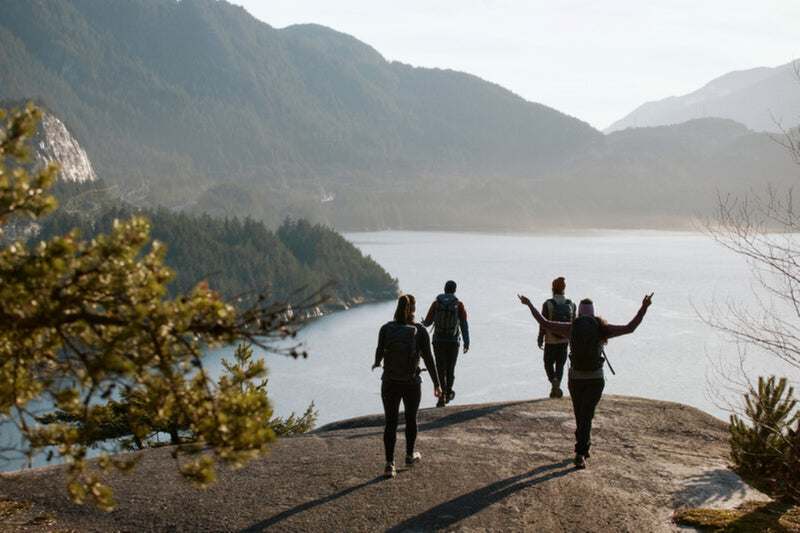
[81,319]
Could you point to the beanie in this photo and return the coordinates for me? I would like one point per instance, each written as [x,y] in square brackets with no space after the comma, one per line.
[586,307]
[450,287]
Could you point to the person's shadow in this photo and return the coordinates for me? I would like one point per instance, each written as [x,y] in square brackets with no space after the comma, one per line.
[448,513]
[265,524]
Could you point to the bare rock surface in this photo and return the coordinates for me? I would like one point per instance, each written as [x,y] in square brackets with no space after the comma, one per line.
[489,467]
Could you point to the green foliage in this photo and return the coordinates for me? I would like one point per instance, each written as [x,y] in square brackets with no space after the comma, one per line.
[244,366]
[762,449]
[241,256]
[81,318]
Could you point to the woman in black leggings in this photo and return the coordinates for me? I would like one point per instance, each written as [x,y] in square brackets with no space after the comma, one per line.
[395,338]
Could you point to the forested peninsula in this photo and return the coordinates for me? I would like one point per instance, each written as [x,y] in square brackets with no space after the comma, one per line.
[238,258]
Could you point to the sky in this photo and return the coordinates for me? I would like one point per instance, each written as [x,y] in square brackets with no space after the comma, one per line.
[593,60]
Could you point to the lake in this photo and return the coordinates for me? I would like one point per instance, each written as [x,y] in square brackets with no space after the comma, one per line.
[673,355]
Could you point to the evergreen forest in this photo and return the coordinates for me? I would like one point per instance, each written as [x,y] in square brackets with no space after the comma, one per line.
[238,258]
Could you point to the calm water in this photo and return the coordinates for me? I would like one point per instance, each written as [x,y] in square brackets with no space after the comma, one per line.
[672,356]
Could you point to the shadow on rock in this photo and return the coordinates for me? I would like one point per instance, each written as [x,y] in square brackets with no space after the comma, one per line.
[446,514]
[265,524]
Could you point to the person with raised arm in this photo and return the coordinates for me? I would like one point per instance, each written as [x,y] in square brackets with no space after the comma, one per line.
[587,334]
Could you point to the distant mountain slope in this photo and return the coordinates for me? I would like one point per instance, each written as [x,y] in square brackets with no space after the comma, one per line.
[178,97]
[197,106]
[758,98]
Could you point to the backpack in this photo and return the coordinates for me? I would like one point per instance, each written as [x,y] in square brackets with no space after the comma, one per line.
[401,356]
[561,312]
[584,343]
[445,318]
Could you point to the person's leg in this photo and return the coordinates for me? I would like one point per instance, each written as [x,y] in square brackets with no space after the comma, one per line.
[560,359]
[586,394]
[440,355]
[391,396]
[450,361]
[549,362]
[412,395]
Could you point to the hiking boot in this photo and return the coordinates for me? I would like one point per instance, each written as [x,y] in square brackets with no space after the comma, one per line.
[441,402]
[413,459]
[555,391]
[449,397]
[579,462]
[389,471]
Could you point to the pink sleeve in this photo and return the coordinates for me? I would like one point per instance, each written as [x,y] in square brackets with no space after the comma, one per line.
[559,328]
[630,327]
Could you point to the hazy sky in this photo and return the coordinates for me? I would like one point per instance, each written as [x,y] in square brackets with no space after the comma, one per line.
[594,60]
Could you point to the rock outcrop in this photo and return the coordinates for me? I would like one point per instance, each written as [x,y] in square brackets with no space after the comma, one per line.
[491,467]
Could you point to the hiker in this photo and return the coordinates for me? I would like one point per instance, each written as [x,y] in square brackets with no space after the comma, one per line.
[449,319]
[558,309]
[588,334]
[400,343]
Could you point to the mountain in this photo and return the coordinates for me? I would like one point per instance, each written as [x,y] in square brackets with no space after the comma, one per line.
[763,99]
[53,141]
[196,106]
[177,98]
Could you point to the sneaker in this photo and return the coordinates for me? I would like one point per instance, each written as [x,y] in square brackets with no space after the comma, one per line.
[413,459]
[579,461]
[389,471]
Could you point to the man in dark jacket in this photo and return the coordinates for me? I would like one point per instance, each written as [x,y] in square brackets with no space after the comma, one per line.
[449,318]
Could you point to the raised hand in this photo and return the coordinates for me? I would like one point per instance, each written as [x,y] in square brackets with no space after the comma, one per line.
[648,299]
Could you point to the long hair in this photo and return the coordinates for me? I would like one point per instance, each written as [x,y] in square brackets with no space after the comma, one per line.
[406,305]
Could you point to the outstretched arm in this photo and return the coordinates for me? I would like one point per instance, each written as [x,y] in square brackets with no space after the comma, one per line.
[630,327]
[559,328]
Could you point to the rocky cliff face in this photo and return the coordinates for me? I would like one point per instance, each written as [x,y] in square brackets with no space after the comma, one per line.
[54,142]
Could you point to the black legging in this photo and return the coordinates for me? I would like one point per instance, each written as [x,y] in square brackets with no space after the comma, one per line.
[586,394]
[446,356]
[555,356]
[391,394]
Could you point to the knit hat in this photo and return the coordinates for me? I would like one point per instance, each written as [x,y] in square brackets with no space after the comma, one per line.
[450,287]
[586,307]
[559,284]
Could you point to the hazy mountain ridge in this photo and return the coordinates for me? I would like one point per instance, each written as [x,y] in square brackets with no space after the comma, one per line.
[764,99]
[196,103]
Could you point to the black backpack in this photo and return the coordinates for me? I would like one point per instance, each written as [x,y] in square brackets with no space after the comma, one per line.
[585,350]
[401,356]
[561,312]
[445,318]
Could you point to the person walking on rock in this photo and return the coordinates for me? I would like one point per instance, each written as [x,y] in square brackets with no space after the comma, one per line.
[558,309]
[588,334]
[449,318]
[400,344]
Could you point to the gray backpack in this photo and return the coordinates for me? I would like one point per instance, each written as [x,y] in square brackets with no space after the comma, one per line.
[445,318]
